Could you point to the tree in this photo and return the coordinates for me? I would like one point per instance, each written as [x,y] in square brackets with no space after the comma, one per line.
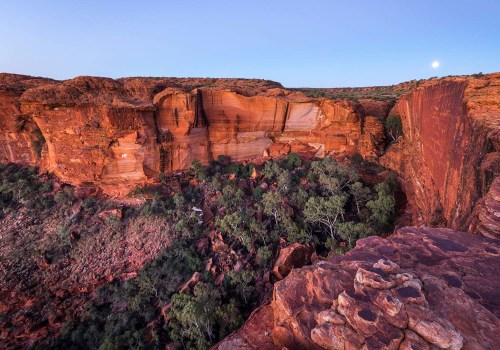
[333,177]
[198,170]
[241,283]
[271,169]
[232,198]
[394,127]
[360,194]
[235,225]
[382,208]
[292,161]
[284,180]
[194,316]
[272,203]
[350,231]
[264,254]
[295,232]
[325,211]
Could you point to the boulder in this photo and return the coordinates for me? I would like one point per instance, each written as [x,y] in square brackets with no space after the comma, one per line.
[293,256]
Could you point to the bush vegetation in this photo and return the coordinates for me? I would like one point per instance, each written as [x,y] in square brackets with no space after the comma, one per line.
[393,127]
[322,203]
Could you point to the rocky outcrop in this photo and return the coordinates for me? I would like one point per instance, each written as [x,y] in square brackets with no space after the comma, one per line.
[421,288]
[116,134]
[372,139]
[95,132]
[449,126]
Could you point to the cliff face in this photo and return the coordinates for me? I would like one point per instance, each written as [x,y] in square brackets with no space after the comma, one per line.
[20,138]
[95,132]
[115,134]
[418,289]
[449,128]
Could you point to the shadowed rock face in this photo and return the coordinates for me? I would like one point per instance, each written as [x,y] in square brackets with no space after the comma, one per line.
[421,287]
[487,212]
[449,152]
[20,137]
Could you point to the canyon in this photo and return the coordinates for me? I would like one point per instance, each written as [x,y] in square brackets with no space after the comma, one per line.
[426,286]
[113,135]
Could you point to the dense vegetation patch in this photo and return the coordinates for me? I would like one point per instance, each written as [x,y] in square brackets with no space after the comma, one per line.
[226,256]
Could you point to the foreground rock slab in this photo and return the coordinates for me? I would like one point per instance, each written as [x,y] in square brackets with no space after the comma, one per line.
[421,288]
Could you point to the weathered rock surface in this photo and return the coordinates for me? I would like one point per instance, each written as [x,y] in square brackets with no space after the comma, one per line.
[372,139]
[293,256]
[488,212]
[421,288]
[253,334]
[20,137]
[116,134]
[450,126]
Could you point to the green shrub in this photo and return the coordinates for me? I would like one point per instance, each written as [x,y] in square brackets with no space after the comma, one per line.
[393,127]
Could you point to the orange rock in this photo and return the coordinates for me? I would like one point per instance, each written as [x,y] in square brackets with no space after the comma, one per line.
[293,256]
[449,127]
[441,297]
[371,141]
[20,137]
[252,336]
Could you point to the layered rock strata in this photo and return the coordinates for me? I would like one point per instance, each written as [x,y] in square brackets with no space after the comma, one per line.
[421,288]
[116,134]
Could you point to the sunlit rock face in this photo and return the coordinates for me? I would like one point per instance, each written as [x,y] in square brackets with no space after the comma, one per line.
[242,127]
[116,134]
[182,129]
[421,288]
[449,127]
[95,133]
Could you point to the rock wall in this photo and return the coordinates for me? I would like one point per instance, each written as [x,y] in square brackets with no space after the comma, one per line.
[20,138]
[95,133]
[449,127]
[419,289]
[115,134]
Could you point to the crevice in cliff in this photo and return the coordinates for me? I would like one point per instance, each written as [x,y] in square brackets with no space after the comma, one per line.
[285,117]
[201,115]
[200,120]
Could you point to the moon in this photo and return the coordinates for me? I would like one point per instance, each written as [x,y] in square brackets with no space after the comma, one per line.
[435,64]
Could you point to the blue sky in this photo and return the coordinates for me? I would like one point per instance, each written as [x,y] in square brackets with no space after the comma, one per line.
[298,43]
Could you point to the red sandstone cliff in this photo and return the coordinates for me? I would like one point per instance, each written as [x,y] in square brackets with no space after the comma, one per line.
[20,138]
[116,134]
[448,155]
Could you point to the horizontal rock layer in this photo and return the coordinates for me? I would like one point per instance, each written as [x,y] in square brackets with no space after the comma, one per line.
[421,288]
[118,133]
